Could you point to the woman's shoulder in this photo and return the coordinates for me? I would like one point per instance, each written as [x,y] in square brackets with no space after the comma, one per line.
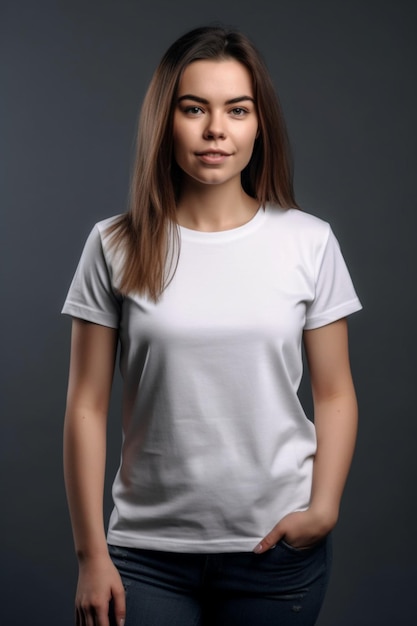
[98,247]
[297,220]
[101,232]
[104,225]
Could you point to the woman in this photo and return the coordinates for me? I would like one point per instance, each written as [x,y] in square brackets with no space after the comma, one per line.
[226,492]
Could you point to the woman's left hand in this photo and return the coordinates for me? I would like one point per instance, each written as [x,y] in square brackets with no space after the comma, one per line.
[301,529]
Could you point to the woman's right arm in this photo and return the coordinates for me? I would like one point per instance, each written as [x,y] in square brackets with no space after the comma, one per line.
[93,353]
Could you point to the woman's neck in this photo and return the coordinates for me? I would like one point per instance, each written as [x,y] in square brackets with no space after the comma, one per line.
[213,208]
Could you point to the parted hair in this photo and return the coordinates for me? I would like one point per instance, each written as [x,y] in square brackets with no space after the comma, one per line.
[146,231]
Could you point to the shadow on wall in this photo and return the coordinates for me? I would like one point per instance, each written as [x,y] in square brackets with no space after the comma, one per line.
[42,594]
[383,599]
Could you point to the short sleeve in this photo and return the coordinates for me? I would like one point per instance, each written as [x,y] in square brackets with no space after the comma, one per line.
[92,295]
[335,296]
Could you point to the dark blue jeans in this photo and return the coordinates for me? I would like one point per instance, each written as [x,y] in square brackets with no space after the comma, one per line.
[282,587]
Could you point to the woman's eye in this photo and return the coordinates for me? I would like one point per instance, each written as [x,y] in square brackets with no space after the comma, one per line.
[193,110]
[239,112]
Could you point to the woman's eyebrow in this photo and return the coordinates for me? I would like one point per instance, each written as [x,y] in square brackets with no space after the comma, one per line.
[240,99]
[190,96]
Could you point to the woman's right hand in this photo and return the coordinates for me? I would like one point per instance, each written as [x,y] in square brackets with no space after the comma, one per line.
[99,583]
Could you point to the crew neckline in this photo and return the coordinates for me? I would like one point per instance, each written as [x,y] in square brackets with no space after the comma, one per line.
[188,234]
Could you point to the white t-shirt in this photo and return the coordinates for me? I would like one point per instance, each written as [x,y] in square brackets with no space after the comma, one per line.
[216,446]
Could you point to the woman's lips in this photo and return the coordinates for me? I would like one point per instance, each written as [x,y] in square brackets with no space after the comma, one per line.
[213,157]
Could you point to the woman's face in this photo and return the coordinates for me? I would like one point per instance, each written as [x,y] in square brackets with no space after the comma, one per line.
[215,121]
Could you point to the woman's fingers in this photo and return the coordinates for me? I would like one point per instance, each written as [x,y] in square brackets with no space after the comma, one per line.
[270,540]
[93,616]
[119,604]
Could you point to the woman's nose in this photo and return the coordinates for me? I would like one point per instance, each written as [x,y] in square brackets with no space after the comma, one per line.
[215,128]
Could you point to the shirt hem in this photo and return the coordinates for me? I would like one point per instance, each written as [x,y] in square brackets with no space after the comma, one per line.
[179,545]
[90,315]
[327,317]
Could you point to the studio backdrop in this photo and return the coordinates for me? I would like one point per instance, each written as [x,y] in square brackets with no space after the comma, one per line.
[73,75]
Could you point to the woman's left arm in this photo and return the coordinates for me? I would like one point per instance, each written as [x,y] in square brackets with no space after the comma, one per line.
[335,418]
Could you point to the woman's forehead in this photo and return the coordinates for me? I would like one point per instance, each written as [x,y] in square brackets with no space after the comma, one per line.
[209,78]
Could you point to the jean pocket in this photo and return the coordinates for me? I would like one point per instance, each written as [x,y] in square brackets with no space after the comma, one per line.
[301,549]
[117,552]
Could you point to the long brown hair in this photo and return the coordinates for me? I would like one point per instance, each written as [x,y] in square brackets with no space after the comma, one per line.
[146,231]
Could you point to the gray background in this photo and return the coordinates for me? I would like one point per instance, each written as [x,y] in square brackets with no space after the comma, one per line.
[73,74]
